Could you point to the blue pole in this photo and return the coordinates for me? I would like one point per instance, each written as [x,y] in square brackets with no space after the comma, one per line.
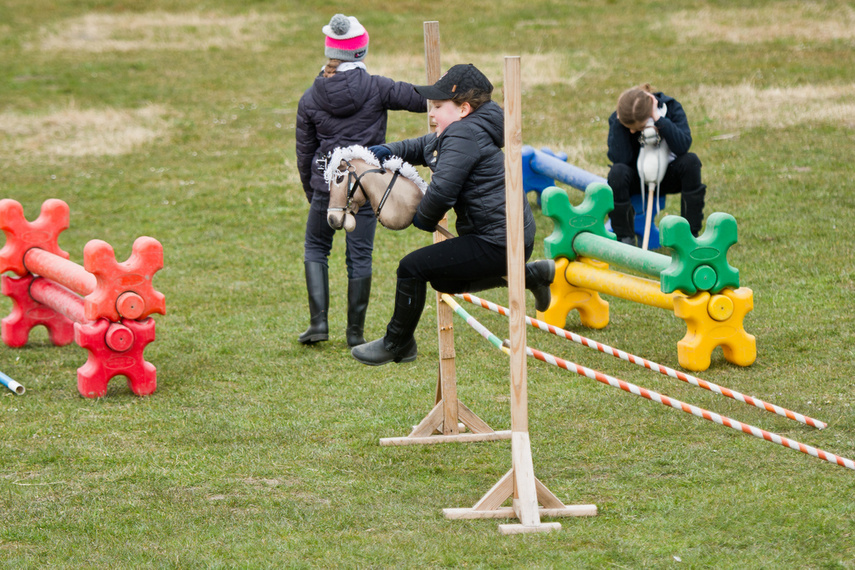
[11,384]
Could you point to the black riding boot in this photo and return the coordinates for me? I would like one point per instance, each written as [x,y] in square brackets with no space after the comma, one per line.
[399,344]
[623,222]
[358,292]
[539,275]
[317,284]
[692,208]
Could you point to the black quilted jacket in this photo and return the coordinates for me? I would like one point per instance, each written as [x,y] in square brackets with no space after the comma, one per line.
[346,109]
[468,175]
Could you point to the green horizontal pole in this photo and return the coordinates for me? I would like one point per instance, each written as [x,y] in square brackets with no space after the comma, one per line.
[620,254]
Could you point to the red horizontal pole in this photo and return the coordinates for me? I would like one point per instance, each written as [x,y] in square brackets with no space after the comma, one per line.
[58,298]
[67,273]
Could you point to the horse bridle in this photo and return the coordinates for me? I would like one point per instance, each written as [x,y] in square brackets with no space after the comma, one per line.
[354,183]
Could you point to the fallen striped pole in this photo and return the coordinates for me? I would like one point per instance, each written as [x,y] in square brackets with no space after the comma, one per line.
[690,409]
[606,349]
[11,384]
[472,322]
[659,398]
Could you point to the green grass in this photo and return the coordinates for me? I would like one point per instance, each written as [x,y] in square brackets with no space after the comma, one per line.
[258,452]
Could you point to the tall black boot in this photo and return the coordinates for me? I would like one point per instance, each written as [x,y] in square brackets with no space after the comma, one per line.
[399,344]
[358,292]
[318,287]
[692,208]
[539,275]
[623,222]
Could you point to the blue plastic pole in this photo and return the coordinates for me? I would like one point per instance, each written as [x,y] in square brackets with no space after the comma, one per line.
[11,384]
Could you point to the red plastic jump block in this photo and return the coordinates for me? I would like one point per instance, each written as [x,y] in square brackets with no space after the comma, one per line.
[104,363]
[117,279]
[22,235]
[28,313]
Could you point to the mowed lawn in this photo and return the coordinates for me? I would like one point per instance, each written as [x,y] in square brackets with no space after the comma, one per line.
[176,120]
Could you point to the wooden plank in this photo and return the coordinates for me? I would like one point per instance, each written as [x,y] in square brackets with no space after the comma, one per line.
[430,423]
[525,494]
[444,315]
[528,529]
[471,420]
[509,513]
[459,438]
[514,197]
[498,494]
[545,496]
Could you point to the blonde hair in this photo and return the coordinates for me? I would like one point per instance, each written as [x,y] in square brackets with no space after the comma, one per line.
[635,105]
[331,67]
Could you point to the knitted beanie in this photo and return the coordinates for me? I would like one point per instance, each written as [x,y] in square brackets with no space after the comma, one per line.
[346,39]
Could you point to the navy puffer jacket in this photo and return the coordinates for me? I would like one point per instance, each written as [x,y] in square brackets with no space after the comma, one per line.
[346,109]
[468,168]
[624,146]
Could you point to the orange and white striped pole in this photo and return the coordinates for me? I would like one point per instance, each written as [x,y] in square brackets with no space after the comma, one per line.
[688,378]
[690,409]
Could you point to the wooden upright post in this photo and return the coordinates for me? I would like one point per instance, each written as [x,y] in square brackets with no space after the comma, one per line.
[519,483]
[443,422]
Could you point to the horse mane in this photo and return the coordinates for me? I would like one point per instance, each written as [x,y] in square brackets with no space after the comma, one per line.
[393,163]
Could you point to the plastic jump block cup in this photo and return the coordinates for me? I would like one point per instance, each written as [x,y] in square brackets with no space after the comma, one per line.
[112,290]
[697,264]
[28,313]
[101,339]
[111,321]
[696,282]
[22,235]
[711,320]
[593,310]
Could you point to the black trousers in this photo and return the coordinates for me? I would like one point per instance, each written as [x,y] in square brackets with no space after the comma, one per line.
[359,243]
[682,177]
[453,265]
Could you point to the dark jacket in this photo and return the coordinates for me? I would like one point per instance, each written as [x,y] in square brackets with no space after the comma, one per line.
[624,147]
[468,168]
[346,109]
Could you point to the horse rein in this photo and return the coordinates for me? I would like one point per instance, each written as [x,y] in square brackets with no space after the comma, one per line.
[354,183]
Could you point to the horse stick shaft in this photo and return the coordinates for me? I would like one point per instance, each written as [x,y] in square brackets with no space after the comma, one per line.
[688,378]
[648,218]
[447,234]
[689,409]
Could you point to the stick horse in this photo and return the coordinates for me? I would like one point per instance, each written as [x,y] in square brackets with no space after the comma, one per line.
[355,175]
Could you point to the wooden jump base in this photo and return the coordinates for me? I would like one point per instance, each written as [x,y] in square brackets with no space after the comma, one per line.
[103,306]
[520,485]
[443,423]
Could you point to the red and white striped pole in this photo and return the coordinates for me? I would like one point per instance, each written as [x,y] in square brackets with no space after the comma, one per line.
[690,409]
[756,402]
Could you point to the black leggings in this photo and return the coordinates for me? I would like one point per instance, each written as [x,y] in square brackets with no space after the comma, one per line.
[453,265]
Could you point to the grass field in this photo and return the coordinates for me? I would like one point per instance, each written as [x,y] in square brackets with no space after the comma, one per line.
[176,120]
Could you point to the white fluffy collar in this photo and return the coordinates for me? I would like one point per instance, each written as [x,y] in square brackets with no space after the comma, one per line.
[393,163]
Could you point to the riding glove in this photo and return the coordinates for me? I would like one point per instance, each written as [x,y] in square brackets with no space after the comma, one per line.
[381,152]
[419,224]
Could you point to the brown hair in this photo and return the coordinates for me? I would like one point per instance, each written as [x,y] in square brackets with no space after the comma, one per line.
[331,66]
[635,105]
[475,98]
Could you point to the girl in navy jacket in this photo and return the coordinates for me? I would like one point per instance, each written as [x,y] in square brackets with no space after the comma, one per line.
[635,108]
[344,106]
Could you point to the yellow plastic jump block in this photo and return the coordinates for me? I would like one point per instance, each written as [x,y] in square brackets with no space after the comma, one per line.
[712,321]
